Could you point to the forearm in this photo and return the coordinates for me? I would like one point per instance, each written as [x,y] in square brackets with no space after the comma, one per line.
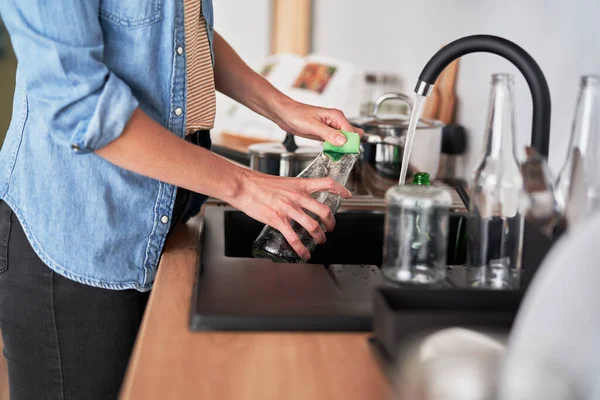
[145,147]
[235,79]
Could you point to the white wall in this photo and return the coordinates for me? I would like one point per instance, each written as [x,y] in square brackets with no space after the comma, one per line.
[246,25]
[401,35]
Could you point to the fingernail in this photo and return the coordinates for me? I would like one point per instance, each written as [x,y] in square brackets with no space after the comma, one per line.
[339,140]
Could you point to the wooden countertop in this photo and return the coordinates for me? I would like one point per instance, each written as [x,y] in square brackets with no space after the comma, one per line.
[237,142]
[171,362]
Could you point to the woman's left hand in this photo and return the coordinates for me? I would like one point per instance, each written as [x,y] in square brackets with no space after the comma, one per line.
[315,123]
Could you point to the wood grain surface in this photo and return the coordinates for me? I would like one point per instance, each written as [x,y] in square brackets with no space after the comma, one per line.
[291,26]
[238,142]
[3,375]
[171,362]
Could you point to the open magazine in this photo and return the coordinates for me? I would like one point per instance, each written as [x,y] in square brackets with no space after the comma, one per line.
[314,79]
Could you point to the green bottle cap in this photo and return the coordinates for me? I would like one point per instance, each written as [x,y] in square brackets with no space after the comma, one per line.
[421,178]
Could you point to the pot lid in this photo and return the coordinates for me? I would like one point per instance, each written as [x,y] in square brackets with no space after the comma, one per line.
[288,150]
[390,130]
[278,150]
[395,121]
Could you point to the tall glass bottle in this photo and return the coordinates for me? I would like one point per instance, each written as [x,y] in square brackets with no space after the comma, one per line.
[495,226]
[585,136]
[272,244]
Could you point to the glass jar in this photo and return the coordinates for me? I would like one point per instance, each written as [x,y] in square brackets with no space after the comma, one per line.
[416,234]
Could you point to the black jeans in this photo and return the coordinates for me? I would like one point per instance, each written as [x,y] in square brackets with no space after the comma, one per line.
[62,339]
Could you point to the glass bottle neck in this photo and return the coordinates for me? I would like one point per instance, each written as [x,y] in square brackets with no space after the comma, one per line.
[585,137]
[585,124]
[500,126]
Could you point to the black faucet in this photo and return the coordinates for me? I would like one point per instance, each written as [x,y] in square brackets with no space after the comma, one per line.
[540,94]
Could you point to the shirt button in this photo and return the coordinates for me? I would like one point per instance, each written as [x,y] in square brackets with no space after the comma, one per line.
[180,50]
[164,219]
[178,111]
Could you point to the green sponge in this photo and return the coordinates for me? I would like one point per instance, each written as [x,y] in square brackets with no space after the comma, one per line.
[352,145]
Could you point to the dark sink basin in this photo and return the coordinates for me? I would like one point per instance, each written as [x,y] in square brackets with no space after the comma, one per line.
[357,238]
[234,291]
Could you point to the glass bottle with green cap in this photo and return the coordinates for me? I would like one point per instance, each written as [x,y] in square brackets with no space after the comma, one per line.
[334,161]
[421,178]
[416,233]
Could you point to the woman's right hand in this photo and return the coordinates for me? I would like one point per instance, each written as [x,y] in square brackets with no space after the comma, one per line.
[276,201]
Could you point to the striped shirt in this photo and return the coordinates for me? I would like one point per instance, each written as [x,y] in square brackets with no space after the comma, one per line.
[201,100]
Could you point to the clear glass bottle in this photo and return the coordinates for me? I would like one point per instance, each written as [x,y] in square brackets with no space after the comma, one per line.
[495,225]
[416,233]
[585,136]
[272,244]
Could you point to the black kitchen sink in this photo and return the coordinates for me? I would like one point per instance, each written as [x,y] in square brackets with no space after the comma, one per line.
[333,292]
[356,240]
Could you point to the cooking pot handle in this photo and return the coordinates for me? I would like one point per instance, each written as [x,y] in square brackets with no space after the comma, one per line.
[392,96]
[290,143]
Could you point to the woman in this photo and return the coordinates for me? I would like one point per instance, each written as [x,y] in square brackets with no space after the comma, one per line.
[106,152]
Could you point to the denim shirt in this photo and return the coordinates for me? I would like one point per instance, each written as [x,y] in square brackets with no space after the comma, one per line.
[83,68]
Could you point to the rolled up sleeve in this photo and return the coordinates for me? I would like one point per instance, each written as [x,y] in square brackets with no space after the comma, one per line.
[59,47]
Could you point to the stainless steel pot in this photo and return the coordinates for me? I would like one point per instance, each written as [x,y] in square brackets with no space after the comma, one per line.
[383,143]
[282,159]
